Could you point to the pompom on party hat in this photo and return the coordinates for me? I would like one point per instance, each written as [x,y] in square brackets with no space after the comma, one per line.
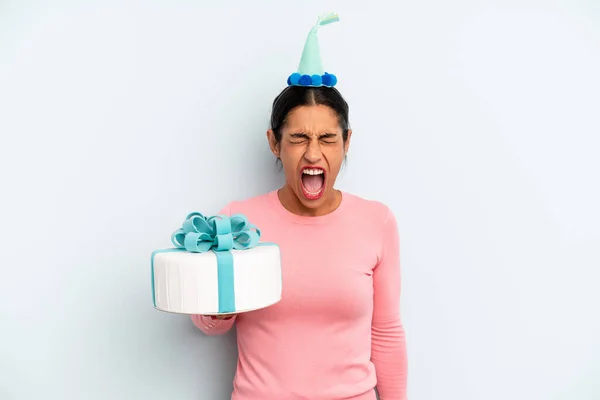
[310,70]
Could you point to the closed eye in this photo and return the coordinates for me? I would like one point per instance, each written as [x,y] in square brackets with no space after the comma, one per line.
[298,138]
[329,138]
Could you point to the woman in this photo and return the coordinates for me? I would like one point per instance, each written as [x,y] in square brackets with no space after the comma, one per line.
[336,333]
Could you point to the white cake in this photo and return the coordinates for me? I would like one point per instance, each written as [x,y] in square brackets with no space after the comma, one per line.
[189,282]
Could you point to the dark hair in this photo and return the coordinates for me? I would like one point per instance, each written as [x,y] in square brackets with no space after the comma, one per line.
[295,96]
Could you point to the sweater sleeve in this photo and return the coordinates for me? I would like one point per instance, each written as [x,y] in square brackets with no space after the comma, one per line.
[388,346]
[206,324]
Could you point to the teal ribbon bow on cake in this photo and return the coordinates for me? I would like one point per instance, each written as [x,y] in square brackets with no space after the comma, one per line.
[199,234]
[220,234]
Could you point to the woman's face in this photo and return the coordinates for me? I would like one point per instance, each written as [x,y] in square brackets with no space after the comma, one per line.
[312,151]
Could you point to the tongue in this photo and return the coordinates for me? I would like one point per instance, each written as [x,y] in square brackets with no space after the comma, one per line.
[313,183]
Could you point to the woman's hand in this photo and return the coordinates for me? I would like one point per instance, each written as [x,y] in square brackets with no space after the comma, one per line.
[222,317]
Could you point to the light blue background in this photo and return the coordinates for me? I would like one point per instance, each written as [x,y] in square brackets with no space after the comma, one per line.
[476,121]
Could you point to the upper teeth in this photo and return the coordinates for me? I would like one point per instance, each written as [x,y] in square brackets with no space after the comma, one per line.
[309,171]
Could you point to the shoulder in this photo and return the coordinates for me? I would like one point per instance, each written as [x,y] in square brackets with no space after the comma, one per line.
[375,219]
[252,204]
[374,210]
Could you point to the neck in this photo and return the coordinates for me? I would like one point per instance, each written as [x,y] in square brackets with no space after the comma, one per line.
[290,201]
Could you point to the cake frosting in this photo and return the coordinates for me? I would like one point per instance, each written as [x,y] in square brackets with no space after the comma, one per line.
[218,266]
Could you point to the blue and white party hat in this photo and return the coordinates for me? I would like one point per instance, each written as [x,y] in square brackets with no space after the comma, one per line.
[310,71]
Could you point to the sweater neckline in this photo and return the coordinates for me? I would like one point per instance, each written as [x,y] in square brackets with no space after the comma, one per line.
[308,220]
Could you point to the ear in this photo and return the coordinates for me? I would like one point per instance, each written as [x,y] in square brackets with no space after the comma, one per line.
[273,143]
[347,144]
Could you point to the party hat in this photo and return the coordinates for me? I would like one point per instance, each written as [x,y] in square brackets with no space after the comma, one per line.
[310,70]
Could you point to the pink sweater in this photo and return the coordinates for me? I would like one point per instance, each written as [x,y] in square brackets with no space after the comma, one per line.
[337,332]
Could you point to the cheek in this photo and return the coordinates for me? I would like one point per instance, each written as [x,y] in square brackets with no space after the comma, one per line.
[291,151]
[290,157]
[335,157]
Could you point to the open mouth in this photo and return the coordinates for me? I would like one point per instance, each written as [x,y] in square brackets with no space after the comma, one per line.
[313,182]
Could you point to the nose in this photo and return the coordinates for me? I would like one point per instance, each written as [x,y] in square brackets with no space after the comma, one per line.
[313,152]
